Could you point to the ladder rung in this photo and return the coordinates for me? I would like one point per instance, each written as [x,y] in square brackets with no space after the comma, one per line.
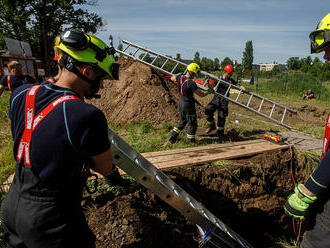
[260,106]
[271,112]
[127,47]
[144,56]
[206,81]
[136,51]
[238,95]
[176,65]
[229,87]
[283,116]
[249,100]
[164,63]
[154,59]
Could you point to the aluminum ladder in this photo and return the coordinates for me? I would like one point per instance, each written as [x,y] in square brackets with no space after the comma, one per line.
[215,232]
[254,103]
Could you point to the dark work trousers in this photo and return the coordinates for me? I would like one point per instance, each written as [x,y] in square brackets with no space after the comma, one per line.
[34,216]
[187,114]
[318,236]
[221,106]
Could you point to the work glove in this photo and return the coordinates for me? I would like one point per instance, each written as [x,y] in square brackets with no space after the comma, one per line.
[114,178]
[210,90]
[298,203]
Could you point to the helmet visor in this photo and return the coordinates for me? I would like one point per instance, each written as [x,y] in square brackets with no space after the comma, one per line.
[319,40]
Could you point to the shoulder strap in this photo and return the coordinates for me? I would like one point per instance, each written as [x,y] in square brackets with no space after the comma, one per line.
[8,82]
[326,139]
[31,122]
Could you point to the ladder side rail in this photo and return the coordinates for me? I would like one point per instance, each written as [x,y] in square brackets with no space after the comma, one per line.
[237,87]
[135,165]
[153,52]
[249,108]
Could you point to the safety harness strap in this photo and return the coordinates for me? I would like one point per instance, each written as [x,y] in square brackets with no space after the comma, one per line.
[181,84]
[326,145]
[31,122]
[8,82]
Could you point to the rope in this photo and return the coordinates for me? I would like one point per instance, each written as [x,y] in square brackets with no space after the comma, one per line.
[295,184]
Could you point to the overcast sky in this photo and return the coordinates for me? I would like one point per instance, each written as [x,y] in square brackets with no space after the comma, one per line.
[279,29]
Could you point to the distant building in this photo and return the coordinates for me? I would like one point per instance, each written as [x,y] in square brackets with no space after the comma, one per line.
[268,67]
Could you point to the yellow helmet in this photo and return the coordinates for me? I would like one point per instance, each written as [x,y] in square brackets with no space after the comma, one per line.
[321,37]
[194,68]
[87,48]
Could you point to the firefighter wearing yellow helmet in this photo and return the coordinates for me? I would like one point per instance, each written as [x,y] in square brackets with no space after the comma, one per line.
[187,111]
[56,133]
[315,191]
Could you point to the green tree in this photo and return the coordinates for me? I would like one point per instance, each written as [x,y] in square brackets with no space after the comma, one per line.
[216,64]
[120,48]
[178,57]
[293,63]
[197,58]
[39,21]
[247,60]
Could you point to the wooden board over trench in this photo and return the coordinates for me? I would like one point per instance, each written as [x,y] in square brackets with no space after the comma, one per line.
[204,154]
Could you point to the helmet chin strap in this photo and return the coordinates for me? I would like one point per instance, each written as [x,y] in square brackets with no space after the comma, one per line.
[69,64]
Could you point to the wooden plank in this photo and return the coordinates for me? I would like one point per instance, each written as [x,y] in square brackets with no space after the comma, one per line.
[200,148]
[199,155]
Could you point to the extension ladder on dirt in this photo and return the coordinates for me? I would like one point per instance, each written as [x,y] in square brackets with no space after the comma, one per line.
[216,233]
[170,66]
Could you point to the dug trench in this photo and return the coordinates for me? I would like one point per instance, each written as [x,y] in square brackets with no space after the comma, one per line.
[247,194]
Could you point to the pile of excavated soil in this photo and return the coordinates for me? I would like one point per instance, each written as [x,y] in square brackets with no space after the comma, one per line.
[248,196]
[140,94]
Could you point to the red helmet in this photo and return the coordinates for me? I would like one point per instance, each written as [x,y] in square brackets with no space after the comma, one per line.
[229,69]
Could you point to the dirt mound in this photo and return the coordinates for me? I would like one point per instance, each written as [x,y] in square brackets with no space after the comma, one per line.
[141,93]
[240,193]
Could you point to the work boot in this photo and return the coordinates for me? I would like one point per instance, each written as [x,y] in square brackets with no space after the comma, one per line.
[172,139]
[220,134]
[210,128]
[188,141]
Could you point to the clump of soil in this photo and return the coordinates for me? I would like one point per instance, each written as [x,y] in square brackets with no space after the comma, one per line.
[140,94]
[249,197]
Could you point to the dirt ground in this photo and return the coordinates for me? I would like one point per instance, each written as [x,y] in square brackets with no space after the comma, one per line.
[248,195]
[140,94]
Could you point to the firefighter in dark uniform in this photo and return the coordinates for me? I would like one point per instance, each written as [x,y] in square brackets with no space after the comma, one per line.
[15,79]
[187,111]
[55,134]
[316,190]
[219,104]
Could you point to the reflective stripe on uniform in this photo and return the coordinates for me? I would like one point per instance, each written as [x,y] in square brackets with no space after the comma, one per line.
[191,136]
[175,129]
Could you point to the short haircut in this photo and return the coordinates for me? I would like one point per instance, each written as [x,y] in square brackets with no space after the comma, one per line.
[12,64]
